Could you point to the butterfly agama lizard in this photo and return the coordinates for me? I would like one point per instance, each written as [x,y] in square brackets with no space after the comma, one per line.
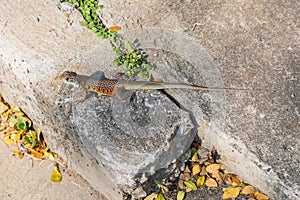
[111,86]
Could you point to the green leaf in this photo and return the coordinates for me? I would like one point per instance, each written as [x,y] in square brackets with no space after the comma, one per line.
[22,126]
[163,187]
[180,195]
[129,47]
[28,139]
[190,184]
[160,197]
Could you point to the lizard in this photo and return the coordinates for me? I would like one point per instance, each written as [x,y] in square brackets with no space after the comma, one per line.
[106,86]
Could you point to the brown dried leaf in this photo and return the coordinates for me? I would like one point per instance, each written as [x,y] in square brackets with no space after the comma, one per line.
[187,170]
[231,193]
[249,189]
[180,184]
[203,171]
[207,163]
[235,181]
[210,182]
[260,196]
[227,179]
[213,168]
[188,189]
[218,176]
[196,169]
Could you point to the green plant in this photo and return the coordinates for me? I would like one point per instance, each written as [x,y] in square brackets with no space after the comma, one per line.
[125,52]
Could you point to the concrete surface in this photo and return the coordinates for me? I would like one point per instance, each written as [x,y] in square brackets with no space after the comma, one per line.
[29,178]
[246,44]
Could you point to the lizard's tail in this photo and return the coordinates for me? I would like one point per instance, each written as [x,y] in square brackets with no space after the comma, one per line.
[145,85]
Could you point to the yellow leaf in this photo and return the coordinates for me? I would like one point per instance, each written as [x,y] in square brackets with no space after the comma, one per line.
[56,175]
[16,136]
[188,189]
[7,140]
[160,197]
[249,189]
[196,169]
[210,182]
[151,196]
[235,181]
[231,193]
[195,157]
[260,196]
[200,181]
[180,195]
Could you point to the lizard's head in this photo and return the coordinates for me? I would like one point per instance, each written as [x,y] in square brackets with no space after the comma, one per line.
[68,76]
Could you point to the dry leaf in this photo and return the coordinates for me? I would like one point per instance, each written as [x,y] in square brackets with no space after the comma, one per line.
[8,140]
[151,196]
[235,181]
[213,168]
[188,189]
[200,181]
[36,154]
[260,196]
[196,169]
[207,163]
[218,176]
[203,171]
[210,182]
[185,176]
[180,184]
[187,170]
[231,193]
[56,175]
[227,179]
[249,189]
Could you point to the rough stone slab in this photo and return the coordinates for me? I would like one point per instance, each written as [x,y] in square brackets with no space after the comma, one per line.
[256,45]
[36,45]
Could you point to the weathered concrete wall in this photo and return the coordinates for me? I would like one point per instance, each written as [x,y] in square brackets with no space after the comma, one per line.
[256,45]
[36,44]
